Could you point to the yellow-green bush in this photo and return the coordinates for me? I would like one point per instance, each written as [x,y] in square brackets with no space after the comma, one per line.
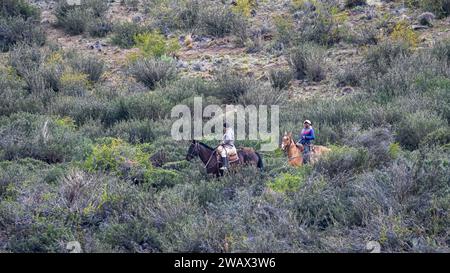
[74,83]
[394,150]
[290,182]
[110,153]
[244,7]
[154,44]
[403,32]
[130,162]
[285,29]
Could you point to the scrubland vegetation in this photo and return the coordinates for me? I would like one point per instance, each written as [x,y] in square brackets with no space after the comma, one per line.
[85,160]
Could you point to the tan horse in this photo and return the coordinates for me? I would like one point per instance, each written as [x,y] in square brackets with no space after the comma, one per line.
[295,153]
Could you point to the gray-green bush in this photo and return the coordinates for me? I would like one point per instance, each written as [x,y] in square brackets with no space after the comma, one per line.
[153,72]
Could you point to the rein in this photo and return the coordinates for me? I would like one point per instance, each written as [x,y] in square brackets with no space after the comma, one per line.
[289,145]
[210,157]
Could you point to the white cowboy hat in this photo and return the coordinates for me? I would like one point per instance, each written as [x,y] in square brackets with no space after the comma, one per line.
[307,121]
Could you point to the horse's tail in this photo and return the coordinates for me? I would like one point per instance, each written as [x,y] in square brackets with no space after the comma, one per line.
[260,161]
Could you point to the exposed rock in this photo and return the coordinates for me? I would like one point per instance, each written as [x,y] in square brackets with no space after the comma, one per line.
[419,27]
[137,19]
[199,66]
[97,45]
[426,19]
[182,64]
[347,90]
[371,13]
[355,3]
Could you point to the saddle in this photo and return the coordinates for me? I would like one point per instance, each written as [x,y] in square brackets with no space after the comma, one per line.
[313,148]
[231,155]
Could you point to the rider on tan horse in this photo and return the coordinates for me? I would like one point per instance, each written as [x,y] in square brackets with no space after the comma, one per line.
[306,139]
[302,152]
[227,146]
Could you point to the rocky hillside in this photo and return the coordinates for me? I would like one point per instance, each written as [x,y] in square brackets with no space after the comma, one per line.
[268,24]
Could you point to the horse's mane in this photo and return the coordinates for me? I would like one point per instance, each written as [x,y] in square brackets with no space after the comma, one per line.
[206,146]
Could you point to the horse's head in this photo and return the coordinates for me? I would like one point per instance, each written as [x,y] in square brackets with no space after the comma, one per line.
[192,151]
[286,140]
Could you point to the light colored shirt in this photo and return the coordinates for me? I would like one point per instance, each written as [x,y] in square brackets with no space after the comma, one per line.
[228,137]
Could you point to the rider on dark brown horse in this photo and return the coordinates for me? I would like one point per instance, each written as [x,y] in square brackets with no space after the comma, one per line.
[227,145]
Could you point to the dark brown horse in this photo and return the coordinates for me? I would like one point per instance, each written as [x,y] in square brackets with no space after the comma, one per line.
[208,156]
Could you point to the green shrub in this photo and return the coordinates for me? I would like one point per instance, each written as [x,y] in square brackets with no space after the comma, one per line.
[40,137]
[131,236]
[442,50]
[76,19]
[415,128]
[14,30]
[90,66]
[307,61]
[146,106]
[99,27]
[108,155]
[218,20]
[124,33]
[380,57]
[285,35]
[263,94]
[280,79]
[74,84]
[378,144]
[73,19]
[439,137]
[288,182]
[98,7]
[13,8]
[229,86]
[155,44]
[188,14]
[404,73]
[184,89]
[52,74]
[349,76]
[403,33]
[178,14]
[134,131]
[319,25]
[28,64]
[343,161]
[13,173]
[15,96]
[321,206]
[394,150]
[439,7]
[25,57]
[153,72]
[130,162]
[80,109]
[363,35]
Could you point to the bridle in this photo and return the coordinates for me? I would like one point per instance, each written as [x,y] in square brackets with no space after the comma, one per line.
[286,147]
[195,150]
[289,144]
